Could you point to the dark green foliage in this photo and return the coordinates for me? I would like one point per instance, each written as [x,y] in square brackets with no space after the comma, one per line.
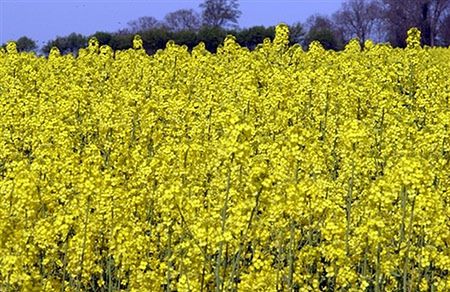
[104,38]
[326,37]
[25,44]
[322,29]
[155,39]
[121,41]
[212,37]
[186,37]
[68,44]
[252,36]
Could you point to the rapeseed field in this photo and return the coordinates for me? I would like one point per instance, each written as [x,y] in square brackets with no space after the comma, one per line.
[276,169]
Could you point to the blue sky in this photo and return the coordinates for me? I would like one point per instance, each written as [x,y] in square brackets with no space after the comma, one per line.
[44,20]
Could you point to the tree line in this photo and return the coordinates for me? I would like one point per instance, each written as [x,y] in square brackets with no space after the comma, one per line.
[379,20]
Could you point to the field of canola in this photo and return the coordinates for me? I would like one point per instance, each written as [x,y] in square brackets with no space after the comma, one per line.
[267,170]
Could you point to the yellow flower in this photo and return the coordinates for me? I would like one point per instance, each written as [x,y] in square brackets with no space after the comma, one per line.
[242,170]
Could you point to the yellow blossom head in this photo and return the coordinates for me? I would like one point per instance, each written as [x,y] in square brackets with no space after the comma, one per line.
[138,44]
[11,48]
[93,46]
[54,53]
[413,39]
[368,44]
[230,44]
[354,46]
[316,47]
[281,35]
[106,51]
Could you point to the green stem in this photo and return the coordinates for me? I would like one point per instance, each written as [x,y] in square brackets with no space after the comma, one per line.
[291,256]
[80,275]
[168,256]
[224,218]
[348,211]
[235,269]
[377,269]
[110,282]
[406,264]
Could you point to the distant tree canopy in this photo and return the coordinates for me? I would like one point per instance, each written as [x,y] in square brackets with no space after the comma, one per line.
[427,15]
[67,44]
[142,24]
[183,19]
[389,20]
[358,19]
[444,33]
[104,38]
[24,44]
[252,36]
[157,38]
[220,13]
[296,32]
[384,20]
[321,28]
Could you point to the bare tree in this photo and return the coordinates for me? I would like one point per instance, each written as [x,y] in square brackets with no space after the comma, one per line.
[398,18]
[433,13]
[219,13]
[321,28]
[142,24]
[296,32]
[444,32]
[427,15]
[358,18]
[183,19]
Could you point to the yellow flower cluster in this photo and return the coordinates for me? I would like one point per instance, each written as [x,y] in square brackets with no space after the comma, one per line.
[267,170]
